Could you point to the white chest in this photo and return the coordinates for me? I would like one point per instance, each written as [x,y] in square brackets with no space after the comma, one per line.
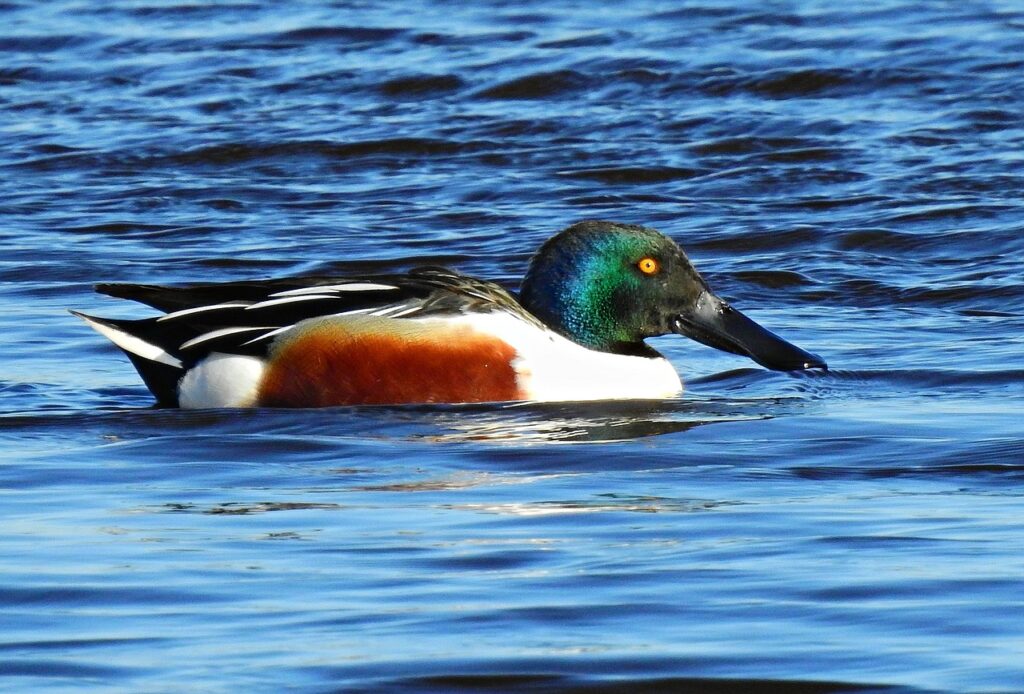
[551,368]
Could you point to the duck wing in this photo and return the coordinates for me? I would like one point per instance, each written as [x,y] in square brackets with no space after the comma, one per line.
[245,317]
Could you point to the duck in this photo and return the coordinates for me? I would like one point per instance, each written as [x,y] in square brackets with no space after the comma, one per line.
[576,330]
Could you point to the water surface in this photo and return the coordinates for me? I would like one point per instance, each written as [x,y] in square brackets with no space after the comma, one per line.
[849,176]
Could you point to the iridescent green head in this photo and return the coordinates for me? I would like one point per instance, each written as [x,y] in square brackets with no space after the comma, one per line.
[609,286]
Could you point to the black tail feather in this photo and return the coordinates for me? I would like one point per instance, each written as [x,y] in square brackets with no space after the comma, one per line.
[161,379]
[162,298]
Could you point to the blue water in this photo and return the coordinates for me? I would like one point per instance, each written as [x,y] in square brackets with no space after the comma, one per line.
[849,175]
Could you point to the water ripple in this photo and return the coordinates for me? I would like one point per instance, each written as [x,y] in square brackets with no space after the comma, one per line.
[847,175]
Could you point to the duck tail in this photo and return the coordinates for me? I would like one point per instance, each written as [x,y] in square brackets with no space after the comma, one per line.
[160,370]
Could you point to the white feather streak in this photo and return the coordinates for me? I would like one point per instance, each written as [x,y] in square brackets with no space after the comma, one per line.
[199,309]
[395,310]
[350,287]
[214,334]
[288,300]
[130,343]
[264,336]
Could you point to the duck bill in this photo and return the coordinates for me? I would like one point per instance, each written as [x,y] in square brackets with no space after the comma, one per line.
[715,323]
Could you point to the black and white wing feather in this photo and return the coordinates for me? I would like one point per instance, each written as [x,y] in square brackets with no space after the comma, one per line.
[245,317]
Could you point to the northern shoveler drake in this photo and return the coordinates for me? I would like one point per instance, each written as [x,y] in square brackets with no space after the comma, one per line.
[576,331]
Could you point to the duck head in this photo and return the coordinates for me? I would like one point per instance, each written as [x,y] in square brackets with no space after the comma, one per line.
[609,286]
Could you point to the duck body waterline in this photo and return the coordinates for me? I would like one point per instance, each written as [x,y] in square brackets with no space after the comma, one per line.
[593,293]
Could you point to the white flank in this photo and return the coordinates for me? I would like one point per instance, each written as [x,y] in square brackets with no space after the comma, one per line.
[198,309]
[351,287]
[130,343]
[551,368]
[221,380]
[214,334]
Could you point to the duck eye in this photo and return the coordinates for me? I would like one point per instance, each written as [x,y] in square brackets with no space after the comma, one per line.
[648,266]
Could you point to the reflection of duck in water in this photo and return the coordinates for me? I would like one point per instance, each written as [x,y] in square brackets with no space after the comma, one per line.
[591,296]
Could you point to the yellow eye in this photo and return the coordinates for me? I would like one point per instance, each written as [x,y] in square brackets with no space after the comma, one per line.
[648,266]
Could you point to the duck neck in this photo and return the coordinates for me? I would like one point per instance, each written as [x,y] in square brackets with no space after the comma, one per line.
[579,311]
